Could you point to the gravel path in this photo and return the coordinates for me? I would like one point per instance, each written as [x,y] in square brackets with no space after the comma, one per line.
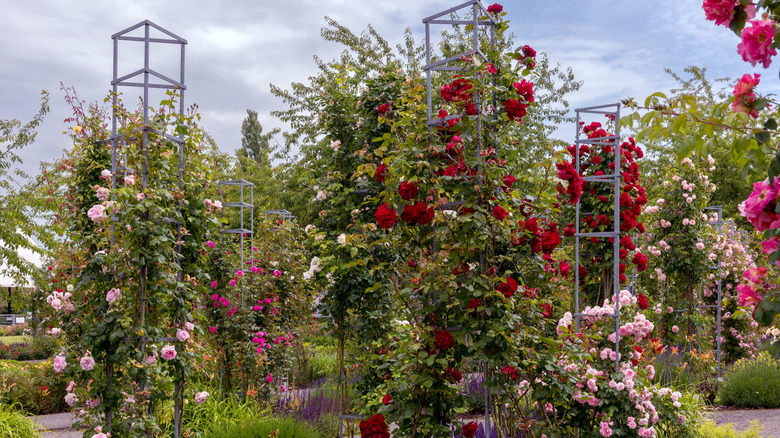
[769,418]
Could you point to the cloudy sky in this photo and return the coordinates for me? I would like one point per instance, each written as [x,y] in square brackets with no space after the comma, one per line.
[236,48]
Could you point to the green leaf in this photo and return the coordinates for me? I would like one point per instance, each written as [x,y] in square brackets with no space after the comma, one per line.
[770,124]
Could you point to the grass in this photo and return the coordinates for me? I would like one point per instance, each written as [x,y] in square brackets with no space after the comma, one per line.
[265,428]
[14,424]
[8,340]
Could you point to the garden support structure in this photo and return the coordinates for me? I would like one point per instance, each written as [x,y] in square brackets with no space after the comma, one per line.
[245,229]
[477,11]
[614,179]
[147,78]
[719,305]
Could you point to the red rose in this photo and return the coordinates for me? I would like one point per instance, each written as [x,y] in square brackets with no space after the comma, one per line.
[470,429]
[444,340]
[526,89]
[374,427]
[385,216]
[407,190]
[380,173]
[546,309]
[508,288]
[412,263]
[565,269]
[381,109]
[510,372]
[515,109]
[508,181]
[471,110]
[528,51]
[499,212]
[495,8]
[453,375]
[641,300]
[640,260]
[387,399]
[418,213]
[550,239]
[474,303]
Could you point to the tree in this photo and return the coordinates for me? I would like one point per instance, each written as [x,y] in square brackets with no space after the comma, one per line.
[254,144]
[18,223]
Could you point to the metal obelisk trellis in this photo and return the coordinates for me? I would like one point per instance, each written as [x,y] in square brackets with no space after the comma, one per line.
[478,11]
[145,78]
[614,179]
[244,230]
[719,305]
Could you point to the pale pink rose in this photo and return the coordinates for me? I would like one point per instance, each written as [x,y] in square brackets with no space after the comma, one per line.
[71,386]
[71,399]
[189,326]
[129,180]
[675,329]
[105,174]
[59,363]
[87,363]
[140,197]
[168,352]
[102,193]
[756,45]
[97,213]
[113,295]
[201,397]
[182,335]
[151,359]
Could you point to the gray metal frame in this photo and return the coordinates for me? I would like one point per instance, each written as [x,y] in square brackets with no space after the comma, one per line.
[614,179]
[148,75]
[477,10]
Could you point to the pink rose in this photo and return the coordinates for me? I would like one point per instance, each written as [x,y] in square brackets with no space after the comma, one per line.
[87,363]
[210,244]
[113,295]
[756,45]
[770,245]
[59,364]
[168,352]
[97,213]
[722,11]
[269,378]
[201,397]
[277,273]
[182,335]
[213,329]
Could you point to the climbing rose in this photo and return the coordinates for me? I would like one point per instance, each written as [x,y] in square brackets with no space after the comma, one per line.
[515,110]
[97,213]
[756,45]
[381,109]
[499,213]
[385,216]
[444,340]
[87,363]
[508,288]
[169,352]
[744,97]
[387,399]
[407,190]
[113,295]
[418,213]
[374,427]
[722,11]
[470,429]
[495,8]
[641,300]
[201,397]
[526,89]
[380,173]
[59,363]
[182,335]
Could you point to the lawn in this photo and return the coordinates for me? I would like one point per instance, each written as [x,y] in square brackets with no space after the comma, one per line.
[8,340]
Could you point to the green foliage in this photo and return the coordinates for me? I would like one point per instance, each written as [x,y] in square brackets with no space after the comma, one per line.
[752,383]
[14,424]
[709,429]
[216,412]
[34,387]
[29,348]
[265,428]
[254,144]
[17,202]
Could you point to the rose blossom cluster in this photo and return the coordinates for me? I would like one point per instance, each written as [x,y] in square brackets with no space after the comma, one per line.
[752,286]
[212,206]
[598,159]
[60,300]
[596,385]
[759,207]
[744,97]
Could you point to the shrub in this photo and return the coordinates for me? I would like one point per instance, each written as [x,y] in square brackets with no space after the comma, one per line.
[265,428]
[216,411]
[41,347]
[35,387]
[14,424]
[752,383]
[709,429]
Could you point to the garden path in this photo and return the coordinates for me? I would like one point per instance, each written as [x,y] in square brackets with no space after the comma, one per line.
[57,426]
[741,418]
